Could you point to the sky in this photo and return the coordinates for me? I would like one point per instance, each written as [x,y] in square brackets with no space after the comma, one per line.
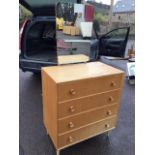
[106,1]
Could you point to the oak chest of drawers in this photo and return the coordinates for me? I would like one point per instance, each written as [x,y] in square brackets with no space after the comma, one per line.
[80,101]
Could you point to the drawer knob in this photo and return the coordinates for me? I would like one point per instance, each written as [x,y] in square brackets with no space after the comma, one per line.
[109,113]
[71,125]
[111,98]
[71,109]
[72,92]
[70,139]
[113,84]
[107,125]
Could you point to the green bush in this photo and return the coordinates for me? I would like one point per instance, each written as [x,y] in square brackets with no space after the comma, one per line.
[100,17]
[24,14]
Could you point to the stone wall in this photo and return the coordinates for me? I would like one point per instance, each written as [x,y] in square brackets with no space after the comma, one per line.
[124,17]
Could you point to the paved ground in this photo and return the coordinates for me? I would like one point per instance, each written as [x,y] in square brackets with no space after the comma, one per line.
[33,138]
[81,48]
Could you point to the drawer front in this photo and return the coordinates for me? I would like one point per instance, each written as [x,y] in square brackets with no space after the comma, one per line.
[79,105]
[86,132]
[75,89]
[70,123]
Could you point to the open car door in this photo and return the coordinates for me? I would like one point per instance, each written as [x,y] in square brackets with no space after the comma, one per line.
[114,42]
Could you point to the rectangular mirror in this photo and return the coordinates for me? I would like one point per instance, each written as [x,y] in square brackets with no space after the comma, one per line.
[74,24]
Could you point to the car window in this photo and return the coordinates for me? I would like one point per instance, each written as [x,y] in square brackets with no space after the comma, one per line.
[35,31]
[48,31]
[41,30]
[118,33]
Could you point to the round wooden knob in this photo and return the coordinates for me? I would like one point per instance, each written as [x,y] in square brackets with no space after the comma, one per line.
[71,125]
[113,84]
[71,109]
[107,125]
[72,92]
[70,139]
[109,113]
[111,99]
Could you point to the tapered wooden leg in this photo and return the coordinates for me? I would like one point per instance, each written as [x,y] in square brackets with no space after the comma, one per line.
[58,152]
[107,134]
[108,137]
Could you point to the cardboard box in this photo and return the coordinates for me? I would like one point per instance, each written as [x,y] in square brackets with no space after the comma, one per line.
[71,30]
[66,30]
[77,31]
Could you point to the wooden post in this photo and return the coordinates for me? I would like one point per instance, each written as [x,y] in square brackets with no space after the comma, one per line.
[110,15]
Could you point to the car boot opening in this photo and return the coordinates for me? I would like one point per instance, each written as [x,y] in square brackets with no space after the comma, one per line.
[41,42]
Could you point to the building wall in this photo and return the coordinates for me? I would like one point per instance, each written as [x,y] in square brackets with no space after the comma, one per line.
[123,20]
[99,7]
[127,17]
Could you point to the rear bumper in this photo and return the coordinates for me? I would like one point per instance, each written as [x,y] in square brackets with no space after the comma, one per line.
[33,66]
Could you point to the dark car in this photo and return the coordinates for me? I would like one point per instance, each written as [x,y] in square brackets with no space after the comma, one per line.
[38,36]
[38,44]
[111,44]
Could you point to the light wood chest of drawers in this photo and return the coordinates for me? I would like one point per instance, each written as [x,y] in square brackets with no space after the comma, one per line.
[80,101]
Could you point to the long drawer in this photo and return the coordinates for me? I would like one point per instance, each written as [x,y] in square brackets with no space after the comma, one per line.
[75,89]
[86,132]
[70,123]
[79,105]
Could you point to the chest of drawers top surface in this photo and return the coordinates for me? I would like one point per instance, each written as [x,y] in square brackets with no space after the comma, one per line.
[66,73]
